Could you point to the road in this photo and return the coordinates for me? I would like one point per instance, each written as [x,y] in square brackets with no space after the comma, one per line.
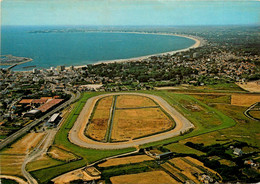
[246,113]
[22,131]
[41,148]
[76,134]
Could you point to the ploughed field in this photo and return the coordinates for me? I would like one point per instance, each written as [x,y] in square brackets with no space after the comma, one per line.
[126,117]
[13,157]
[98,124]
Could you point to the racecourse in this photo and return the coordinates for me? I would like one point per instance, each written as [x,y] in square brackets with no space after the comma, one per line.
[77,136]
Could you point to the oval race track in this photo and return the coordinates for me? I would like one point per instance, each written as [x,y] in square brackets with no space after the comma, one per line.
[76,134]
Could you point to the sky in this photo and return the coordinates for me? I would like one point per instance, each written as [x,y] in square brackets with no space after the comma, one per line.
[130,12]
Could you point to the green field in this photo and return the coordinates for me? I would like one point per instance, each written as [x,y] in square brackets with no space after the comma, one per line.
[216,121]
[206,119]
[181,148]
[61,140]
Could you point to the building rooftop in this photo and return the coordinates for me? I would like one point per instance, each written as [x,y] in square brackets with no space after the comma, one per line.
[53,117]
[39,101]
[49,104]
[34,111]
[26,101]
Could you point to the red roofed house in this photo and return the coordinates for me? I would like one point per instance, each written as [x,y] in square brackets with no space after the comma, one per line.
[45,107]
[26,101]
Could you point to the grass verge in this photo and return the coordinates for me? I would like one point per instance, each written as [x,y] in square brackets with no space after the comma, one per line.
[61,140]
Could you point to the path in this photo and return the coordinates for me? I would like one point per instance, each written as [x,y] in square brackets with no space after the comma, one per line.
[76,134]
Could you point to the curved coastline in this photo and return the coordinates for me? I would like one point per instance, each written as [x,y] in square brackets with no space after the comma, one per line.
[198,43]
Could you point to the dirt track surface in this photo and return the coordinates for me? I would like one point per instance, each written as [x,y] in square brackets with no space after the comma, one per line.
[76,134]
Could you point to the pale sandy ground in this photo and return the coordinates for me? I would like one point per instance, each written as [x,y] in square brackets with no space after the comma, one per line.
[144,178]
[250,86]
[92,86]
[244,99]
[125,160]
[73,175]
[169,88]
[17,179]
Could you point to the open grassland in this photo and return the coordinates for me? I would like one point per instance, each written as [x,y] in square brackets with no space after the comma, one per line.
[129,124]
[12,157]
[218,87]
[61,154]
[181,148]
[245,130]
[41,163]
[205,118]
[133,101]
[125,160]
[207,139]
[193,110]
[212,98]
[244,99]
[61,140]
[255,114]
[144,178]
[11,164]
[99,122]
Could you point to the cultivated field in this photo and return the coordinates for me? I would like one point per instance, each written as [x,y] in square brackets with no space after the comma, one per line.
[143,178]
[250,86]
[61,154]
[125,160]
[134,116]
[186,168]
[99,122]
[129,124]
[42,162]
[12,158]
[133,101]
[244,99]
[255,114]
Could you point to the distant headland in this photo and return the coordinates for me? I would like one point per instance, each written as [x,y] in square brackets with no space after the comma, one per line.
[6,60]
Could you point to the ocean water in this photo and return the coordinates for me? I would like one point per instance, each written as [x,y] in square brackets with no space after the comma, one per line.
[81,48]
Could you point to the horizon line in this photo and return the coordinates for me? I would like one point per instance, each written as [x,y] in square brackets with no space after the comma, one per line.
[203,25]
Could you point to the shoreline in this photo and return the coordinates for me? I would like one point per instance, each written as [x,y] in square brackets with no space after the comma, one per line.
[198,43]
[11,64]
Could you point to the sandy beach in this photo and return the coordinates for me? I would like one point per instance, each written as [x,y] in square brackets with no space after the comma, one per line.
[198,42]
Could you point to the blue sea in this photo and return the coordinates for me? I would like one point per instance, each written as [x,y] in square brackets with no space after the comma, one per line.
[81,48]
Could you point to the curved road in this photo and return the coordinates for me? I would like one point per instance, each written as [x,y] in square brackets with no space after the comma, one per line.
[23,130]
[76,134]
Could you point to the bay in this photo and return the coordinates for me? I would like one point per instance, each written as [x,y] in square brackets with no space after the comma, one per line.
[81,48]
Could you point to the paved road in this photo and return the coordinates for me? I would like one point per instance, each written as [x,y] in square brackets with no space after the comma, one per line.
[77,136]
[22,131]
[41,148]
